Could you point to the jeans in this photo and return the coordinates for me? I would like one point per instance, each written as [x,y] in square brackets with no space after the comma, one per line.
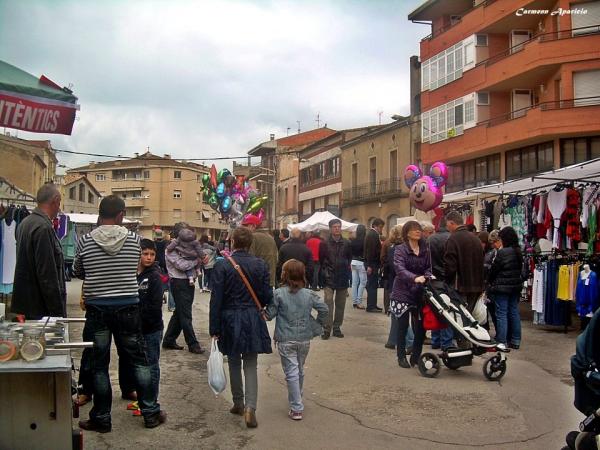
[442,338]
[359,280]
[171,299]
[419,332]
[124,323]
[207,279]
[126,379]
[392,336]
[241,396]
[372,286]
[181,319]
[315,279]
[336,319]
[293,355]
[507,316]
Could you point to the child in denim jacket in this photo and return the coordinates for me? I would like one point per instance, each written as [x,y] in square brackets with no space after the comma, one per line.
[295,327]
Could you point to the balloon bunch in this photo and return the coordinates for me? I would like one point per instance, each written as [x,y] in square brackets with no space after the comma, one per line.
[232,195]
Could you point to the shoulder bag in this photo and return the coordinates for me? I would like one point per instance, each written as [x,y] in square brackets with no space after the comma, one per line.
[237,267]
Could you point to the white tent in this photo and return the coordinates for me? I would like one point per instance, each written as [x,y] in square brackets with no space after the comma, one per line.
[320,221]
[91,219]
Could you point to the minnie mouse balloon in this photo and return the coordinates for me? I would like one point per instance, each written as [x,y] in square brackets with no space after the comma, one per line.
[426,191]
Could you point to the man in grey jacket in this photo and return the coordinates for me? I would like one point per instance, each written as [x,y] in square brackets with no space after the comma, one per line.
[39,286]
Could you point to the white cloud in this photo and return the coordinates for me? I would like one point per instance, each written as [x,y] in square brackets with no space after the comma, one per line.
[213,77]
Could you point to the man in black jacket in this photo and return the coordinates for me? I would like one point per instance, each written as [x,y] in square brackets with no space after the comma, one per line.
[372,263]
[39,287]
[335,256]
[295,248]
[463,260]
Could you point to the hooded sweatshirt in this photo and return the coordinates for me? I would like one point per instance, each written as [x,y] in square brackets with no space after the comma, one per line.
[107,259]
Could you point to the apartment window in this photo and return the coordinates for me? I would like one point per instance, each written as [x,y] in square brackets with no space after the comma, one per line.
[481,40]
[373,173]
[82,192]
[176,194]
[448,120]
[305,177]
[295,192]
[354,174]
[176,213]
[198,178]
[483,98]
[394,164]
[285,201]
[100,177]
[529,160]
[90,198]
[474,172]
[145,212]
[72,193]
[335,166]
[177,174]
[577,150]
[444,67]
[146,174]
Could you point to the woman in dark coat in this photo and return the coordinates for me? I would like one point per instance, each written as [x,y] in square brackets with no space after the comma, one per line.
[412,262]
[505,285]
[236,322]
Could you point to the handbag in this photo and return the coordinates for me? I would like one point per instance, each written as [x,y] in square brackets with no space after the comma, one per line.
[480,310]
[431,320]
[237,267]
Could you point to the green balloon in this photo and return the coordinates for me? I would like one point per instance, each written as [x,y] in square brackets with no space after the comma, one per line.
[206,180]
[206,195]
[213,201]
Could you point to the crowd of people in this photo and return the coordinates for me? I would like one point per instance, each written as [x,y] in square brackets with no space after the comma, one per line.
[253,276]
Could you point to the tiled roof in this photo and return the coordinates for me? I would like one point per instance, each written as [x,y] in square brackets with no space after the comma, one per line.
[145,160]
[305,138]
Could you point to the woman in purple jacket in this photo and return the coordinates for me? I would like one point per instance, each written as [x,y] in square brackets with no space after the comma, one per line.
[412,262]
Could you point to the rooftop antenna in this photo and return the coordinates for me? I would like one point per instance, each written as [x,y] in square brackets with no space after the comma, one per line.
[298,122]
[318,120]
[380,113]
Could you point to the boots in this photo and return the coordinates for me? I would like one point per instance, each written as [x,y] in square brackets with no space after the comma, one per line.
[250,418]
[237,409]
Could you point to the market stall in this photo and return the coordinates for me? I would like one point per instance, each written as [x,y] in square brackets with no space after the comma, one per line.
[320,221]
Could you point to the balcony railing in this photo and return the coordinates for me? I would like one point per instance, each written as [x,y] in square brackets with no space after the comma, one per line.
[318,180]
[545,106]
[369,191]
[442,30]
[543,37]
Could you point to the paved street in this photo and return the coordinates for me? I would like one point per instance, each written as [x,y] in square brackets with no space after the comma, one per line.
[357,398]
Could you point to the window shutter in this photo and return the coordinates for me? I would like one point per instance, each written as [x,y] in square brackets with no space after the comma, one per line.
[587,84]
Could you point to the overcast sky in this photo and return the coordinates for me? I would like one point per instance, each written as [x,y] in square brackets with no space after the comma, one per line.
[212,78]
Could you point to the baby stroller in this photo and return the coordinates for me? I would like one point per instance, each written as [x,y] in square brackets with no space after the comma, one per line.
[449,307]
[585,370]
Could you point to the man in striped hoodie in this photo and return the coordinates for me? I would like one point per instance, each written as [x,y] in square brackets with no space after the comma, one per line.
[107,260]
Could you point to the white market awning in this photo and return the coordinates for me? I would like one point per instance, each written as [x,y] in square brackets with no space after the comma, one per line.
[320,221]
[91,218]
[582,172]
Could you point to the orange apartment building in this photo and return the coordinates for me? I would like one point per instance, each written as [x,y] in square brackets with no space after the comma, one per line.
[509,88]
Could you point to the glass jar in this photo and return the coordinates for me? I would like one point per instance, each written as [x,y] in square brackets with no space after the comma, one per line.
[9,345]
[33,344]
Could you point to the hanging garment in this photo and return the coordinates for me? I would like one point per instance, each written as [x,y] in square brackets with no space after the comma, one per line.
[573,230]
[592,222]
[9,252]
[62,227]
[556,312]
[587,294]
[497,213]
[517,220]
[586,204]
[563,283]
[557,203]
[537,292]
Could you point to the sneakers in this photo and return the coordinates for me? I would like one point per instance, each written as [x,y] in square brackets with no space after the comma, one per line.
[196,349]
[358,306]
[90,425]
[502,347]
[173,346]
[155,420]
[514,346]
[295,415]
[390,346]
[325,335]
[132,406]
[402,362]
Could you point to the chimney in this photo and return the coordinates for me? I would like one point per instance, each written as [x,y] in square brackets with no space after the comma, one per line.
[92,163]
[166,155]
[137,155]
[272,136]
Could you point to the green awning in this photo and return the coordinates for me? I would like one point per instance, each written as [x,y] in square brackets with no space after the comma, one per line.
[13,79]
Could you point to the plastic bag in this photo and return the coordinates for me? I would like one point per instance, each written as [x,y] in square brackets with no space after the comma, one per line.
[480,310]
[216,372]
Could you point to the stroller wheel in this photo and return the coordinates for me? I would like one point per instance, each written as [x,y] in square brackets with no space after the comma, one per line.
[494,368]
[429,365]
